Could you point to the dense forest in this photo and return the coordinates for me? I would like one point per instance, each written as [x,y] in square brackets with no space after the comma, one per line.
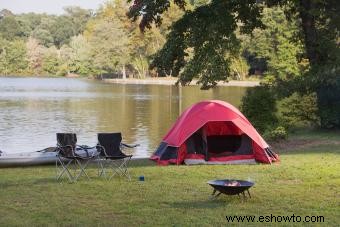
[106,42]
[79,42]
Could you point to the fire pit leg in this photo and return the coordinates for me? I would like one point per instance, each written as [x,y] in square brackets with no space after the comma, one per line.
[249,193]
[213,194]
[244,195]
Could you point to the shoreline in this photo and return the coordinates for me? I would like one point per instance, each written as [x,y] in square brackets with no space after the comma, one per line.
[167,81]
[172,81]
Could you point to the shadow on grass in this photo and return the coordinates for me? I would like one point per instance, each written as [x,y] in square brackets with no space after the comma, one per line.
[210,202]
[41,181]
[142,162]
[27,183]
[319,149]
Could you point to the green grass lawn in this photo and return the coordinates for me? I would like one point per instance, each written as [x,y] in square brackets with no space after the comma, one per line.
[306,183]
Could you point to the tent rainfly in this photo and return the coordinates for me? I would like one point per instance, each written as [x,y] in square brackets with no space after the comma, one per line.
[213,132]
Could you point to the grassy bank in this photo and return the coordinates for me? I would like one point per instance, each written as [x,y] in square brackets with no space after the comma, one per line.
[305,183]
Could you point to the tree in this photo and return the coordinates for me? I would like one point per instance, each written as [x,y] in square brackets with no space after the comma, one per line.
[12,57]
[51,61]
[76,56]
[43,31]
[62,30]
[239,67]
[320,27]
[197,29]
[10,28]
[34,55]
[72,23]
[117,43]
[78,17]
[28,22]
[5,13]
[277,45]
[146,44]
[109,40]
[259,106]
[198,43]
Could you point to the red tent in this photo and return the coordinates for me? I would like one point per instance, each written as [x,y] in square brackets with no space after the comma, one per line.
[213,132]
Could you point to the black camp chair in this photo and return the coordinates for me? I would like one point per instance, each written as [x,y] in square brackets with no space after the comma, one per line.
[111,155]
[68,153]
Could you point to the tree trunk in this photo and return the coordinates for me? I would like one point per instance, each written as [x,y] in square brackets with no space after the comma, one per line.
[309,30]
[124,72]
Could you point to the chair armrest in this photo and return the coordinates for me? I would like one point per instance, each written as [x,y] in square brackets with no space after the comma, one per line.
[120,156]
[101,147]
[72,150]
[130,146]
[86,147]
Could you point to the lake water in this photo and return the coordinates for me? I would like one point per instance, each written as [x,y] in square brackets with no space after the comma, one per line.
[33,110]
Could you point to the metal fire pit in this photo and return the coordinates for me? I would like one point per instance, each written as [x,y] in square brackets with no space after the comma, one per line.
[230,187]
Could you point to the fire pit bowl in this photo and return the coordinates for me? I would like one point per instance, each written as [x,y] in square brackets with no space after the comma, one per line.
[230,187]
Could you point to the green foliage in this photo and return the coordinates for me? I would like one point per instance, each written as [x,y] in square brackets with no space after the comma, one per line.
[62,30]
[329,104]
[151,11]
[49,30]
[191,52]
[83,42]
[277,45]
[44,36]
[298,111]
[108,54]
[239,68]
[141,65]
[198,2]
[259,106]
[77,56]
[78,18]
[116,43]
[51,61]
[276,134]
[9,28]
[319,29]
[12,57]
[198,43]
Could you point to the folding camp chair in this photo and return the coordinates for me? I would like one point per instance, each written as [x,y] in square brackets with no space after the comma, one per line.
[68,153]
[111,156]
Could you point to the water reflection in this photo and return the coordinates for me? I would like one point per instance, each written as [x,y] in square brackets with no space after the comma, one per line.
[32,110]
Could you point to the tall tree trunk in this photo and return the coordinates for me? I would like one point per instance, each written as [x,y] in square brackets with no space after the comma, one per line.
[124,72]
[309,30]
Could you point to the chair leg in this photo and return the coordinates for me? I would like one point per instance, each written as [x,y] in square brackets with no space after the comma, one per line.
[121,168]
[82,164]
[125,170]
[115,169]
[101,167]
[64,169]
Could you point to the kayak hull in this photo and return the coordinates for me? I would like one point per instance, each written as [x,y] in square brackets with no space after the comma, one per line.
[27,159]
[34,158]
